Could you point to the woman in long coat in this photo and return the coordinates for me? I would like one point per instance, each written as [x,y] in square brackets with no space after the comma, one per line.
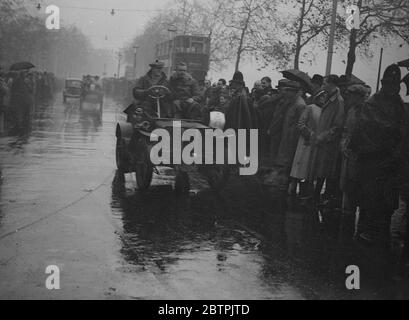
[326,140]
[307,125]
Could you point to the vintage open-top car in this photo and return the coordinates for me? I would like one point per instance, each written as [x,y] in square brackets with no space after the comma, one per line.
[72,89]
[134,145]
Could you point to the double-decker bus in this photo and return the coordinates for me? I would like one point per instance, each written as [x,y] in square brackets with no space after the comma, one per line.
[194,50]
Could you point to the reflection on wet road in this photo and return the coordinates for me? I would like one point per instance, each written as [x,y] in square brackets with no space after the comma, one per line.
[62,203]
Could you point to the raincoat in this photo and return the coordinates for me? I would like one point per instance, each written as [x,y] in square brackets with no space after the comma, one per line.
[307,125]
[326,140]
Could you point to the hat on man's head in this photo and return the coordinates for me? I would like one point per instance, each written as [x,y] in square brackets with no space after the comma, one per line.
[237,78]
[392,74]
[318,79]
[157,64]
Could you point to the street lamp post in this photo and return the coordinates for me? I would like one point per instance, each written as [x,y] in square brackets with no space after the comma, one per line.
[134,61]
[119,63]
[331,37]
[171,30]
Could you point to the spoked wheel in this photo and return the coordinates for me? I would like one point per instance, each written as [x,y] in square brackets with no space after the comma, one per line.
[217,176]
[182,184]
[143,166]
[120,155]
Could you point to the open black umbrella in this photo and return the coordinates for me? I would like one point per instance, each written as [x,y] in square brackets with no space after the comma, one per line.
[345,81]
[23,65]
[299,76]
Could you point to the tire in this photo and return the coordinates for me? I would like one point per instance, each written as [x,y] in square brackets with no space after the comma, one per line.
[182,184]
[143,167]
[120,155]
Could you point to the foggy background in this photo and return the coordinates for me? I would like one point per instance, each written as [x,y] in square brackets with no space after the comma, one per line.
[108,34]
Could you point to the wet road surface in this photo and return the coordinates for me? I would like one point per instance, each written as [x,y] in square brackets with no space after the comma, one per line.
[62,203]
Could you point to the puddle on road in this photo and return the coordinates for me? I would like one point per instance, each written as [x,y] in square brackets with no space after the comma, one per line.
[191,243]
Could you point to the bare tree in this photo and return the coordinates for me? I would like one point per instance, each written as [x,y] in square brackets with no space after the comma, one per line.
[312,22]
[244,25]
[380,20]
[298,24]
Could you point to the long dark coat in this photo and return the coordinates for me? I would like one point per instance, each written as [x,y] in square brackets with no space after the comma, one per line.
[326,140]
[380,140]
[290,134]
[147,102]
[145,83]
[239,114]
[282,130]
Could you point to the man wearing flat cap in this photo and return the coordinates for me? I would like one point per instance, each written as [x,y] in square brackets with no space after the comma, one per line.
[155,77]
[185,94]
[380,140]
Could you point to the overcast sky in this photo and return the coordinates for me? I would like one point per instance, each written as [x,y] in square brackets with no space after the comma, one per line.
[107,31]
[94,18]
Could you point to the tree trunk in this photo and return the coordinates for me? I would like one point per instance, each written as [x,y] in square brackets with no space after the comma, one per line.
[351,53]
[299,36]
[242,36]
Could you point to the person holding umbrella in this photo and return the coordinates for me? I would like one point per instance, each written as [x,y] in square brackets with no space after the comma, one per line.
[22,95]
[155,77]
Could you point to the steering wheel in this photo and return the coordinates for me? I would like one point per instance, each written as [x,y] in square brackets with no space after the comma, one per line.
[158,92]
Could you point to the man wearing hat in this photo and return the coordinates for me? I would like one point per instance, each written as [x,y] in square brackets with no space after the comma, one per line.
[185,93]
[380,139]
[325,154]
[283,129]
[154,77]
[238,114]
[316,83]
